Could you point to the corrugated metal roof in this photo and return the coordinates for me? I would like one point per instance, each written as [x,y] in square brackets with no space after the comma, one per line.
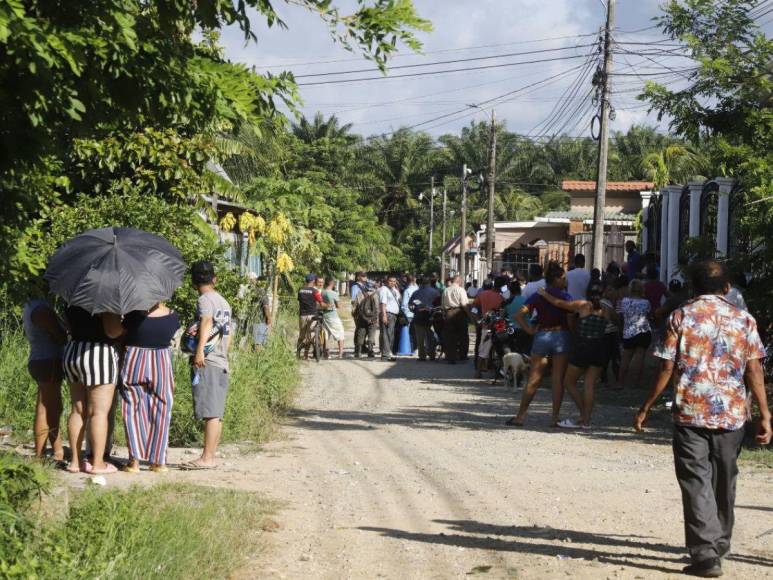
[625,186]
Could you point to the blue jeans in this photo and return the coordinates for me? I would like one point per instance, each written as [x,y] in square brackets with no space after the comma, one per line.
[550,343]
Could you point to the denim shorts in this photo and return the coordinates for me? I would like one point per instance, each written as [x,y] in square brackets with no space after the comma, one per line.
[549,343]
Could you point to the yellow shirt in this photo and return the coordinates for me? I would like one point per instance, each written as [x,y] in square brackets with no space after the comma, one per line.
[454,297]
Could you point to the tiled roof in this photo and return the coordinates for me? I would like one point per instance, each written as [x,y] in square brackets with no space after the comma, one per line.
[587,215]
[628,186]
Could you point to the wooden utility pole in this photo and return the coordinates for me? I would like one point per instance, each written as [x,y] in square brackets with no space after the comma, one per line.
[463,232]
[442,251]
[601,175]
[492,163]
[431,214]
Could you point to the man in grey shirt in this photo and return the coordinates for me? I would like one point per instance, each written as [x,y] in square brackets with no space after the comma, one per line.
[210,367]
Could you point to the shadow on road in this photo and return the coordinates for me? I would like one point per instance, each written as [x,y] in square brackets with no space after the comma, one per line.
[475,404]
[546,541]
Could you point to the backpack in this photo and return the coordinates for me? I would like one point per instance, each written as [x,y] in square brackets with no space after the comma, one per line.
[367,306]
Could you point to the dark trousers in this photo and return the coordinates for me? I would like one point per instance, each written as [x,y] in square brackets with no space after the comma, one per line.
[706,469]
[425,340]
[387,338]
[362,330]
[456,338]
[478,336]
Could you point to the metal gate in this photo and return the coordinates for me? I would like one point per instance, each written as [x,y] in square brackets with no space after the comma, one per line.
[614,245]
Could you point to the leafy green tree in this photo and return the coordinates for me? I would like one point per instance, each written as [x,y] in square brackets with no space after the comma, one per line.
[124,67]
[675,163]
[728,101]
[396,169]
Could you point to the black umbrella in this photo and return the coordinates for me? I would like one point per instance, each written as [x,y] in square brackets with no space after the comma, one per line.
[115,270]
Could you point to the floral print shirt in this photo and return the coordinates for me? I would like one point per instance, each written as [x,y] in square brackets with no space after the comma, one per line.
[710,340]
[634,312]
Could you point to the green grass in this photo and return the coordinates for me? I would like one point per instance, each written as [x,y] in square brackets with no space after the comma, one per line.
[165,531]
[262,385]
[759,455]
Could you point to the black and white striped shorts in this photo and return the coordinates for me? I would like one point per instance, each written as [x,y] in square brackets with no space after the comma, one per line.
[90,363]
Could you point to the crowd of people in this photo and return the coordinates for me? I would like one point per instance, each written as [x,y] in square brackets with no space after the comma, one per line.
[106,357]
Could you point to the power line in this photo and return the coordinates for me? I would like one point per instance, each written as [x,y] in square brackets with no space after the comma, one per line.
[497,98]
[432,73]
[439,62]
[460,49]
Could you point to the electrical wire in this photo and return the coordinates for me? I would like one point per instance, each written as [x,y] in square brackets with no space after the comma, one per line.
[432,73]
[439,62]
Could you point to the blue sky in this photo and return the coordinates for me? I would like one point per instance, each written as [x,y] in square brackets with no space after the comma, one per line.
[466,29]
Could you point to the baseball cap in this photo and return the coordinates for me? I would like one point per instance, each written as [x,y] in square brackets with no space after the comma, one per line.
[311,277]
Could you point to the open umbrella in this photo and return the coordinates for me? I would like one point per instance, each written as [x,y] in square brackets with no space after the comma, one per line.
[115,270]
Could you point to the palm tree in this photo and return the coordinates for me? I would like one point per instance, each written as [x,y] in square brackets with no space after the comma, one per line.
[674,163]
[393,170]
[320,128]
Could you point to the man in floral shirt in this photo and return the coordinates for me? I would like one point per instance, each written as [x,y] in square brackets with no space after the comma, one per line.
[712,355]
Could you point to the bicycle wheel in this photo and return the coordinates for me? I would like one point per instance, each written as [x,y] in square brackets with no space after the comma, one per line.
[317,343]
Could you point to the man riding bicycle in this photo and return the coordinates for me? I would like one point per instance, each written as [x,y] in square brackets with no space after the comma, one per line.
[309,302]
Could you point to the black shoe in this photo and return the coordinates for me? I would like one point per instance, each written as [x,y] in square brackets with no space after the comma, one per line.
[356,355]
[711,568]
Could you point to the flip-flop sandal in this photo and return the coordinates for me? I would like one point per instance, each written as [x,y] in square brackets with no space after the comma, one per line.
[107,470]
[86,466]
[130,468]
[511,422]
[190,466]
[159,468]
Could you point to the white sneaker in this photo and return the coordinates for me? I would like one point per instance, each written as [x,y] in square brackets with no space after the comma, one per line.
[569,424]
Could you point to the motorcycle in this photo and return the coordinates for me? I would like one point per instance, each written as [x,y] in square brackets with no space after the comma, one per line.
[501,339]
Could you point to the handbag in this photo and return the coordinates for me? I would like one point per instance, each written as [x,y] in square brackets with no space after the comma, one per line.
[190,338]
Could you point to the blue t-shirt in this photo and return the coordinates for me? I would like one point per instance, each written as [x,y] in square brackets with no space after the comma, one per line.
[548,315]
[515,304]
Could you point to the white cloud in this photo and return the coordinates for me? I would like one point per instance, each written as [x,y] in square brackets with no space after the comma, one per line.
[380,105]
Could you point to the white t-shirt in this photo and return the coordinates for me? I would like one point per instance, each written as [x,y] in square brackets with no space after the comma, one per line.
[532,287]
[390,298]
[577,281]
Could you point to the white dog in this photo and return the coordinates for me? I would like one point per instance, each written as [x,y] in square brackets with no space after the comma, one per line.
[515,367]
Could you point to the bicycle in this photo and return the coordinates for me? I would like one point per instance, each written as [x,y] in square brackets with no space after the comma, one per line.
[315,339]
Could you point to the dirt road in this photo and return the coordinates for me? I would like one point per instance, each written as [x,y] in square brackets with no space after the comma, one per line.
[405,470]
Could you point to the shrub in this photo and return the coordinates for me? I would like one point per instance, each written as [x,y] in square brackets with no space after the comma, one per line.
[166,531]
[19,392]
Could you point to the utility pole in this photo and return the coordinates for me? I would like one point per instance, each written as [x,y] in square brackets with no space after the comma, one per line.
[442,252]
[431,214]
[463,233]
[601,176]
[492,162]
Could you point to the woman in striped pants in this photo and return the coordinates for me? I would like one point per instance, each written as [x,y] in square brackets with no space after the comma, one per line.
[148,385]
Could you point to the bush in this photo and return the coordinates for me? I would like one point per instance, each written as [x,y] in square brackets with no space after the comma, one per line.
[166,531]
[18,392]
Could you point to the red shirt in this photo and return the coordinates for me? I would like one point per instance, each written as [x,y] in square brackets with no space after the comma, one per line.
[488,300]
[654,290]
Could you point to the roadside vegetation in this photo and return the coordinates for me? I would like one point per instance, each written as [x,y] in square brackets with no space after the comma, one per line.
[164,531]
[262,386]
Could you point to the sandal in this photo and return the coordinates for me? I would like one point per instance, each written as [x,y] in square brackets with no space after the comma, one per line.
[514,422]
[159,468]
[129,468]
